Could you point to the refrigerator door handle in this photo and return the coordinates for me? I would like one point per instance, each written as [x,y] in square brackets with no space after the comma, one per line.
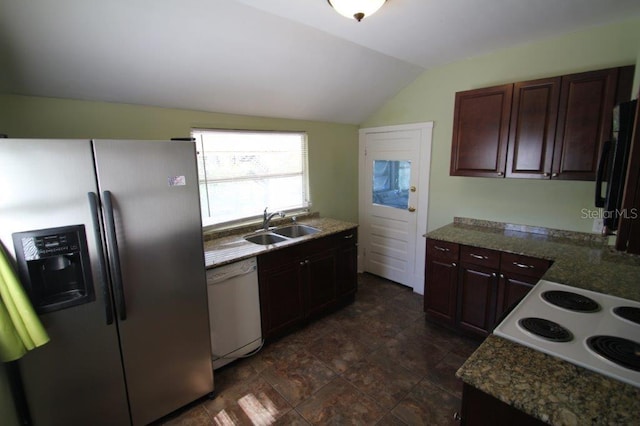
[604,157]
[106,294]
[115,258]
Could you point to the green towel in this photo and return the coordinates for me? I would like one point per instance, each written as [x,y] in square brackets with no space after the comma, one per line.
[20,327]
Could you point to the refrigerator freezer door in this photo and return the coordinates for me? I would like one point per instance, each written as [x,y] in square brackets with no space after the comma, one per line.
[77,377]
[164,337]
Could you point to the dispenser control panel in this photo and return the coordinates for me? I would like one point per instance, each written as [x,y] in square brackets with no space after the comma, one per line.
[47,245]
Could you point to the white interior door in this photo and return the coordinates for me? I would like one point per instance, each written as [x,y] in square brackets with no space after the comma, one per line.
[394,171]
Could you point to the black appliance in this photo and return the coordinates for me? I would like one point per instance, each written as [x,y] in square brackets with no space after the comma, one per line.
[612,167]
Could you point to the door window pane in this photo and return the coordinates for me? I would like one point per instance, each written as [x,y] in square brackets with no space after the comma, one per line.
[391,183]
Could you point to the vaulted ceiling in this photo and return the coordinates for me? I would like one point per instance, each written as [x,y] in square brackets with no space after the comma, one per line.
[275,58]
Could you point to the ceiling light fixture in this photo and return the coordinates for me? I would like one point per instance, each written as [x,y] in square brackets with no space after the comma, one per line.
[356,9]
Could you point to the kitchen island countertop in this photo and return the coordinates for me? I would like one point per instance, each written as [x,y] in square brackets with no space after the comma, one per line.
[233,247]
[543,386]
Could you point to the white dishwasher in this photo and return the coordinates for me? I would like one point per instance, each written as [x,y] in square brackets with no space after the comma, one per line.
[234,311]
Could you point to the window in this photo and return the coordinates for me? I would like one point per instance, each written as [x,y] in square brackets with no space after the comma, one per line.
[242,172]
[391,183]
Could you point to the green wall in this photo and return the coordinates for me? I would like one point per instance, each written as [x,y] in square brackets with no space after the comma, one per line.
[431,96]
[333,148]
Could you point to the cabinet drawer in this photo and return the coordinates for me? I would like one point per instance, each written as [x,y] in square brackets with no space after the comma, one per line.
[350,236]
[480,256]
[524,265]
[442,250]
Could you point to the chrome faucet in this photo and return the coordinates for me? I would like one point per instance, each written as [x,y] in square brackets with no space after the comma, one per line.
[266,218]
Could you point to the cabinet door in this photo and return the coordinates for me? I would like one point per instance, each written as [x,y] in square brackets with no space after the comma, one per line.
[477,292]
[440,290]
[534,114]
[441,281]
[481,131]
[281,299]
[584,123]
[319,272]
[347,273]
[511,289]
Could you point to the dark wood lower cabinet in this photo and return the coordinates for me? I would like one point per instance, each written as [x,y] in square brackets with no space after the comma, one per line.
[481,409]
[470,288]
[306,280]
[441,269]
[518,275]
[477,293]
[281,298]
[512,289]
[319,273]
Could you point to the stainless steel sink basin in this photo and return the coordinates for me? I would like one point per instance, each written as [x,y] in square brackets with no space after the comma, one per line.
[265,239]
[294,231]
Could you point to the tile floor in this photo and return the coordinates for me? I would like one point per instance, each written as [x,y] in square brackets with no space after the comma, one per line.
[376,361]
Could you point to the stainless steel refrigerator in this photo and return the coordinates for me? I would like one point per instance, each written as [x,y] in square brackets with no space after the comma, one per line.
[107,239]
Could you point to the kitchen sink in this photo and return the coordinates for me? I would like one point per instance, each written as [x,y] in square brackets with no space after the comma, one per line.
[293,231]
[265,239]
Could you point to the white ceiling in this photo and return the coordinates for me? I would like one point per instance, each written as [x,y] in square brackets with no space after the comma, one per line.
[276,58]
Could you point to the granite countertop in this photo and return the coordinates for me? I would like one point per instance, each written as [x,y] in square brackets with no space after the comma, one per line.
[538,384]
[547,388]
[231,248]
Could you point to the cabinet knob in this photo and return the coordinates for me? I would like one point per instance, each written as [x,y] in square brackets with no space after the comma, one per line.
[440,248]
[500,173]
[412,209]
[554,175]
[454,264]
[348,237]
[302,263]
[545,174]
[457,417]
[412,189]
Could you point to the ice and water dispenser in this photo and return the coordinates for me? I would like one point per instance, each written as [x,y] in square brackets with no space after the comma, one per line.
[54,266]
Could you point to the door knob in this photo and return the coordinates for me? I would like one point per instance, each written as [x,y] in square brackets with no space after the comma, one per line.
[412,209]
[412,189]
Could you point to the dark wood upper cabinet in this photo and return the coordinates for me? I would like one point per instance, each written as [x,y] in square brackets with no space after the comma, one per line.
[584,122]
[534,114]
[551,128]
[480,131]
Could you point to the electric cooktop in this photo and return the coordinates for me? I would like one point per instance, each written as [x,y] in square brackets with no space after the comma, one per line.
[593,330]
